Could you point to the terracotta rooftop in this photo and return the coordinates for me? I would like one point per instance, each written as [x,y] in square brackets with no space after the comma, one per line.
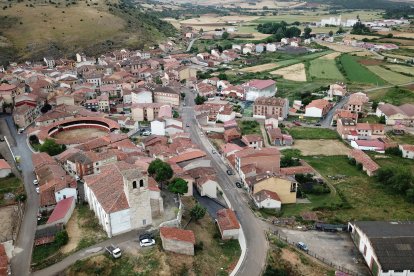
[4,165]
[260,84]
[252,138]
[265,194]
[227,220]
[61,209]
[188,155]
[362,158]
[177,234]
[408,147]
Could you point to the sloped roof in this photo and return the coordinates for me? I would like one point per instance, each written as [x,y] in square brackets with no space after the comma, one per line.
[177,234]
[61,209]
[227,220]
[4,165]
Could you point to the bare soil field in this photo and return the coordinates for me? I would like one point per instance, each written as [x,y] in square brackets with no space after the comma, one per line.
[399,34]
[359,37]
[7,215]
[321,147]
[294,72]
[90,133]
[331,56]
[206,20]
[369,62]
[259,68]
[397,56]
[339,47]
[403,42]
[364,54]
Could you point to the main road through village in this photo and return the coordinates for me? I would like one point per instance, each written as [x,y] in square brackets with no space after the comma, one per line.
[256,243]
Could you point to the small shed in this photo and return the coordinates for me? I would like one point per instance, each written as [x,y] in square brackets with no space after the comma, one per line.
[177,240]
[62,212]
[228,224]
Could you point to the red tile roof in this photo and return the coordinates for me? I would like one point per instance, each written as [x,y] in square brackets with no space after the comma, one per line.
[320,103]
[362,158]
[408,147]
[188,155]
[265,194]
[4,260]
[252,138]
[61,209]
[177,234]
[260,84]
[227,220]
[4,165]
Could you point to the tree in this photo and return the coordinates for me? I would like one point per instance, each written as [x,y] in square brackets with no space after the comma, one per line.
[225,35]
[306,32]
[45,108]
[394,151]
[330,33]
[178,186]
[198,212]
[382,120]
[340,30]
[61,238]
[160,170]
[51,148]
[222,76]
[359,29]
[374,105]
[199,99]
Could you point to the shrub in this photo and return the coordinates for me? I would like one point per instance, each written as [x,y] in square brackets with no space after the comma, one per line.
[61,238]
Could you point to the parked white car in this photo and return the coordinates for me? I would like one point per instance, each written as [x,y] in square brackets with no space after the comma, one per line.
[35,182]
[146,242]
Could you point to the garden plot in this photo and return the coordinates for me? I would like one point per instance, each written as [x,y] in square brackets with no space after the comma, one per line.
[294,72]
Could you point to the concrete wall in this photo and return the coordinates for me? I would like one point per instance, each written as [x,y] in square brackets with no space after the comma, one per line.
[4,172]
[66,193]
[230,234]
[120,222]
[179,247]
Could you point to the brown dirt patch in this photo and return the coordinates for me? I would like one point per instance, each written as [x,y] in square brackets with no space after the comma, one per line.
[321,147]
[369,62]
[331,56]
[290,256]
[72,227]
[85,133]
[411,87]
[6,222]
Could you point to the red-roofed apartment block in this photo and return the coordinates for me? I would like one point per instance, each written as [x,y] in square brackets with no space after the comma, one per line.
[177,240]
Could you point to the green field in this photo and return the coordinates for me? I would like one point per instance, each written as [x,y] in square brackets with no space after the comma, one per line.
[401,69]
[390,76]
[10,184]
[354,193]
[356,72]
[312,133]
[324,69]
[249,127]
[394,95]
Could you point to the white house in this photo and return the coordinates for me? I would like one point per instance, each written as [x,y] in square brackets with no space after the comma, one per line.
[386,246]
[141,96]
[207,186]
[158,127]
[120,198]
[62,192]
[407,151]
[270,47]
[259,88]
[267,199]
[368,145]
[5,168]
[317,108]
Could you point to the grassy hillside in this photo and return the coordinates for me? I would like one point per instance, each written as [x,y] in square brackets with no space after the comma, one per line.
[33,30]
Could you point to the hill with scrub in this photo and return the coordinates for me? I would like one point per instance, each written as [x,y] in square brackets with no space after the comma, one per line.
[32,29]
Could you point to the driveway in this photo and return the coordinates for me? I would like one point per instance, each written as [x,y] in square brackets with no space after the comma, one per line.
[20,262]
[335,248]
[211,205]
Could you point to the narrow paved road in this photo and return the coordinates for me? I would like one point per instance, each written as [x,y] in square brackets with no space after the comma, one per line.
[256,242]
[191,44]
[20,263]
[326,122]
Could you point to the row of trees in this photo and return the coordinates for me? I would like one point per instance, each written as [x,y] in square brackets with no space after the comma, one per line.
[397,180]
[279,30]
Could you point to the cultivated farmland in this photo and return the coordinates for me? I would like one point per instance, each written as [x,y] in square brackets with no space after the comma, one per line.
[401,68]
[294,72]
[390,76]
[323,68]
[259,68]
[356,72]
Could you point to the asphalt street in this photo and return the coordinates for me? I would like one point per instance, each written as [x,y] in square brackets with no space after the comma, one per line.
[256,242]
[20,263]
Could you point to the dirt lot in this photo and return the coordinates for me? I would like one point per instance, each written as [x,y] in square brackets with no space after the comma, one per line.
[259,68]
[74,233]
[369,62]
[7,215]
[321,147]
[294,72]
[339,47]
[86,133]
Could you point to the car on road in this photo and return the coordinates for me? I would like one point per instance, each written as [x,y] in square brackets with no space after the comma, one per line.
[213,152]
[77,177]
[114,251]
[238,184]
[146,133]
[1,138]
[37,190]
[187,125]
[146,242]
[19,168]
[302,246]
[229,172]
[318,124]
[20,131]
[35,182]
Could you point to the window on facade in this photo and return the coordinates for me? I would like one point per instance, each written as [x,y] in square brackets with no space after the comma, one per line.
[134,184]
[141,183]
[64,196]
[144,222]
[365,250]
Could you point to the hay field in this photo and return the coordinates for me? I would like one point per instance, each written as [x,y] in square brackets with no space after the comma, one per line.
[294,72]
[331,56]
[321,147]
[401,69]
[390,76]
[397,56]
[259,68]
[207,20]
[78,25]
